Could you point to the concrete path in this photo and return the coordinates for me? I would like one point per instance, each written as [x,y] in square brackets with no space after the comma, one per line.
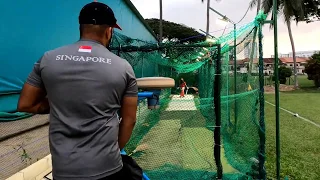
[181,104]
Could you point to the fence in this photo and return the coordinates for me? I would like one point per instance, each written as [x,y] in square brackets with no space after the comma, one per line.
[217,133]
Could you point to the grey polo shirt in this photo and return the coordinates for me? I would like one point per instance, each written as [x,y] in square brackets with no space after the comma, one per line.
[85,84]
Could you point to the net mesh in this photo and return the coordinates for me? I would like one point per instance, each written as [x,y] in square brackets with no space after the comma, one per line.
[179,140]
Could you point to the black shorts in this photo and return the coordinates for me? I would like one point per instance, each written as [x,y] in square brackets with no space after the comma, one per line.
[130,171]
[120,175]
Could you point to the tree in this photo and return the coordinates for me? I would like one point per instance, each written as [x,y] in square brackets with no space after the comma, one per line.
[176,32]
[291,10]
[313,69]
[284,73]
[312,10]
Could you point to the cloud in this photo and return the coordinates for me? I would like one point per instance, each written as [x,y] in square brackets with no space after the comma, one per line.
[193,13]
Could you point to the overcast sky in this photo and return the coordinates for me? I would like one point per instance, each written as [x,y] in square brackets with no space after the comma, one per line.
[193,13]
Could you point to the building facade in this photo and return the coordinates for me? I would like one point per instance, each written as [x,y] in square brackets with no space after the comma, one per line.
[300,62]
[268,65]
[302,54]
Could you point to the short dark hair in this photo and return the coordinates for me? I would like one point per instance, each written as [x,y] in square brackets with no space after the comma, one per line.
[96,30]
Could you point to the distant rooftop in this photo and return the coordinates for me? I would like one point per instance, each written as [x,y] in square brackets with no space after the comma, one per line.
[271,60]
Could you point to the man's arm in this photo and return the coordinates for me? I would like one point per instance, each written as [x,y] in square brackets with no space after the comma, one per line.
[33,100]
[128,108]
[128,114]
[33,96]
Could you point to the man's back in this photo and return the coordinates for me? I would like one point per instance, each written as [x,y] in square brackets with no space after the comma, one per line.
[85,84]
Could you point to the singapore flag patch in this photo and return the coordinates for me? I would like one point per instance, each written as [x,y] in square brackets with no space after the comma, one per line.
[86,49]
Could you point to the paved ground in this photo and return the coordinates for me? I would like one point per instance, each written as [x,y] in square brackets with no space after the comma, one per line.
[181,104]
[20,151]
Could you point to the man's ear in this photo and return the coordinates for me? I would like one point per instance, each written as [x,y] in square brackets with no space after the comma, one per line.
[109,32]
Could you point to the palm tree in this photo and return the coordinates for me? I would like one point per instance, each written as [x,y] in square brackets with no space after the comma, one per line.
[258,4]
[291,10]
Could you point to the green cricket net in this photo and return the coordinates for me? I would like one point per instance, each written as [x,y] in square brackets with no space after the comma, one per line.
[196,137]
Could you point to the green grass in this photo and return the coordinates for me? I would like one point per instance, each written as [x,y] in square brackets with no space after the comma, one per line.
[306,104]
[198,150]
[304,82]
[300,147]
[180,139]
[300,140]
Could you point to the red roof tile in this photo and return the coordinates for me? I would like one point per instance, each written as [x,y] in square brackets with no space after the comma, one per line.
[255,61]
[290,59]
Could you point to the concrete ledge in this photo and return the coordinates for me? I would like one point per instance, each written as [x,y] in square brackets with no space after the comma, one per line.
[36,171]
[14,128]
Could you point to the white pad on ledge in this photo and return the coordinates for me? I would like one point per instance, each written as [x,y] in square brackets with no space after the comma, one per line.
[155,82]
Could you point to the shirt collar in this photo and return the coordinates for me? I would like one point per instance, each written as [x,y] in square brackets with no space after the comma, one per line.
[90,40]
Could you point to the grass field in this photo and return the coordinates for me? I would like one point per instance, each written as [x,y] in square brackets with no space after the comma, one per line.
[300,140]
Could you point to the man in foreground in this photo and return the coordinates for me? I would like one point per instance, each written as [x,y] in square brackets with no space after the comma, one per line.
[83,86]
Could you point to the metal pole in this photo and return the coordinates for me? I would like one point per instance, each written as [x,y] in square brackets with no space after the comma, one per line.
[207,34]
[154,47]
[262,135]
[142,75]
[217,109]
[235,75]
[208,18]
[223,16]
[276,72]
[160,25]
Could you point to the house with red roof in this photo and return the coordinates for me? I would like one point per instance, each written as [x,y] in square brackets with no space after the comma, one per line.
[268,64]
[243,64]
[301,62]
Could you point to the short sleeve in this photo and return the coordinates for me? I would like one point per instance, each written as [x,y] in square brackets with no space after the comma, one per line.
[132,87]
[34,78]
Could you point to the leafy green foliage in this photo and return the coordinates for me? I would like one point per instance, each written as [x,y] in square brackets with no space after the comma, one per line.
[299,10]
[312,10]
[175,32]
[284,73]
[313,69]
